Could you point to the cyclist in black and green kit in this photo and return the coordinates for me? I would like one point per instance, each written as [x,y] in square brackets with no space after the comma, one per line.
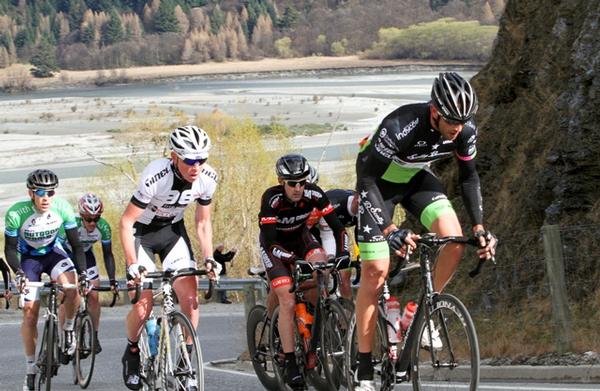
[393,168]
[93,228]
[33,247]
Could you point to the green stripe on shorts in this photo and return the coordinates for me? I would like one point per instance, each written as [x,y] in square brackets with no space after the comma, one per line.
[434,210]
[372,251]
[398,174]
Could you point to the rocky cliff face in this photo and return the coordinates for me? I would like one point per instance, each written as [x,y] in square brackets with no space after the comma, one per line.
[539,116]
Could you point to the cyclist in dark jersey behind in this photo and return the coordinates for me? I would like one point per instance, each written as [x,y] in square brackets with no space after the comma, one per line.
[33,246]
[153,224]
[345,206]
[93,228]
[284,238]
[393,167]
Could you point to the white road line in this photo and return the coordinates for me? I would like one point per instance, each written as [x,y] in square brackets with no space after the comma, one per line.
[511,387]
[230,371]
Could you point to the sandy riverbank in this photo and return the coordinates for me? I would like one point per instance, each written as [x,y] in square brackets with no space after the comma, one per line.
[267,65]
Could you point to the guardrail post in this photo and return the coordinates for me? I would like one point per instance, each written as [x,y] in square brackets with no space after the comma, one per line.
[558,288]
[249,299]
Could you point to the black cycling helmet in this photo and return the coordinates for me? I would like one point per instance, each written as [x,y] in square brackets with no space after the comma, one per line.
[292,166]
[42,179]
[454,97]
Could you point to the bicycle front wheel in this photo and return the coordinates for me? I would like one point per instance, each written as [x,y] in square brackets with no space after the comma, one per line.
[333,339]
[85,354]
[47,356]
[445,355]
[180,364]
[257,333]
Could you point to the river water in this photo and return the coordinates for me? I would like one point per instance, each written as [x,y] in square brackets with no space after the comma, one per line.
[59,128]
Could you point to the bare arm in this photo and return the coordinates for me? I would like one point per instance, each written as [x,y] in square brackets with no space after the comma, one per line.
[131,214]
[204,230]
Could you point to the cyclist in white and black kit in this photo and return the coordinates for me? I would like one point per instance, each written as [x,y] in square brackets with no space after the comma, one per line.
[153,224]
[393,168]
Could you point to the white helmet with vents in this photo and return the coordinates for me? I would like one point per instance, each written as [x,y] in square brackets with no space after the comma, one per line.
[189,142]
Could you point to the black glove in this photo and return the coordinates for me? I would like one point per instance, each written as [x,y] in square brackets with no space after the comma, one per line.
[114,285]
[397,238]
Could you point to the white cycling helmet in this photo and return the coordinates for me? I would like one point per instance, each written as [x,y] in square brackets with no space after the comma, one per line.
[189,142]
[90,204]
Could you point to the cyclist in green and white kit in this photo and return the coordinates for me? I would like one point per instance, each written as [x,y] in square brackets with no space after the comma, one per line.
[33,247]
[93,228]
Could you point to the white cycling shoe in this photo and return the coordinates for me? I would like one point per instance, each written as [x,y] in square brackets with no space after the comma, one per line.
[436,343]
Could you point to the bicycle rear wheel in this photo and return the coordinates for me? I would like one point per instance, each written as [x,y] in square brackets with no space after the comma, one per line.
[257,334]
[384,373]
[334,329]
[85,354]
[47,356]
[180,366]
[453,365]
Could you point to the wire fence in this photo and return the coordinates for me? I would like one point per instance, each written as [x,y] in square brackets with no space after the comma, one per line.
[513,302]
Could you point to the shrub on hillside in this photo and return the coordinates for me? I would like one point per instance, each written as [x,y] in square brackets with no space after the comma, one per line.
[445,39]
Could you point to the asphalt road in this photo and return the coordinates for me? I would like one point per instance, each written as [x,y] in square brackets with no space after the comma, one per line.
[222,336]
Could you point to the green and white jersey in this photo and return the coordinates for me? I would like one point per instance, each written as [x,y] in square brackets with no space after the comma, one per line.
[102,232]
[38,232]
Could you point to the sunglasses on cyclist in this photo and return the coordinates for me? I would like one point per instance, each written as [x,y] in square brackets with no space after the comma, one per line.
[90,219]
[42,192]
[295,183]
[193,162]
[453,121]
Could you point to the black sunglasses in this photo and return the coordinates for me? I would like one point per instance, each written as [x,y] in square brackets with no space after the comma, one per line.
[453,121]
[90,219]
[193,162]
[295,183]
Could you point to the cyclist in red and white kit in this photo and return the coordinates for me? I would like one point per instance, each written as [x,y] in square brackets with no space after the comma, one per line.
[285,238]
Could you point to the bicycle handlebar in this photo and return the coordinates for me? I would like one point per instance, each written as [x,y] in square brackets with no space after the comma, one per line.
[171,275]
[434,240]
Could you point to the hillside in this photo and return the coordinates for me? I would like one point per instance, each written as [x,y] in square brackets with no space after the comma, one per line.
[86,34]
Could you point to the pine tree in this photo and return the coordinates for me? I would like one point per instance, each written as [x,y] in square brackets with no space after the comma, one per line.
[217,19]
[112,32]
[165,20]
[88,34]
[290,17]
[44,59]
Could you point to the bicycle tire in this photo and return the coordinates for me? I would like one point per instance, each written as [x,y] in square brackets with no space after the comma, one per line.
[47,356]
[177,366]
[384,374]
[457,361]
[334,329]
[85,353]
[147,363]
[257,336]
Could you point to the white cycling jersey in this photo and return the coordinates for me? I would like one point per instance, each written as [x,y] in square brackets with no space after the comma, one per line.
[164,195]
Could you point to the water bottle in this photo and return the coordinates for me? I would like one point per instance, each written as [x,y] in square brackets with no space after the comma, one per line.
[304,319]
[151,327]
[408,315]
[392,310]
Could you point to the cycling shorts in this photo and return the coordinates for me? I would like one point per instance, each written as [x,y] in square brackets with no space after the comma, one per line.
[423,196]
[278,270]
[170,242]
[54,263]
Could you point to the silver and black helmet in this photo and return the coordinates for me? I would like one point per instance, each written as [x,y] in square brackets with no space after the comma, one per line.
[454,97]
[42,179]
[292,166]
